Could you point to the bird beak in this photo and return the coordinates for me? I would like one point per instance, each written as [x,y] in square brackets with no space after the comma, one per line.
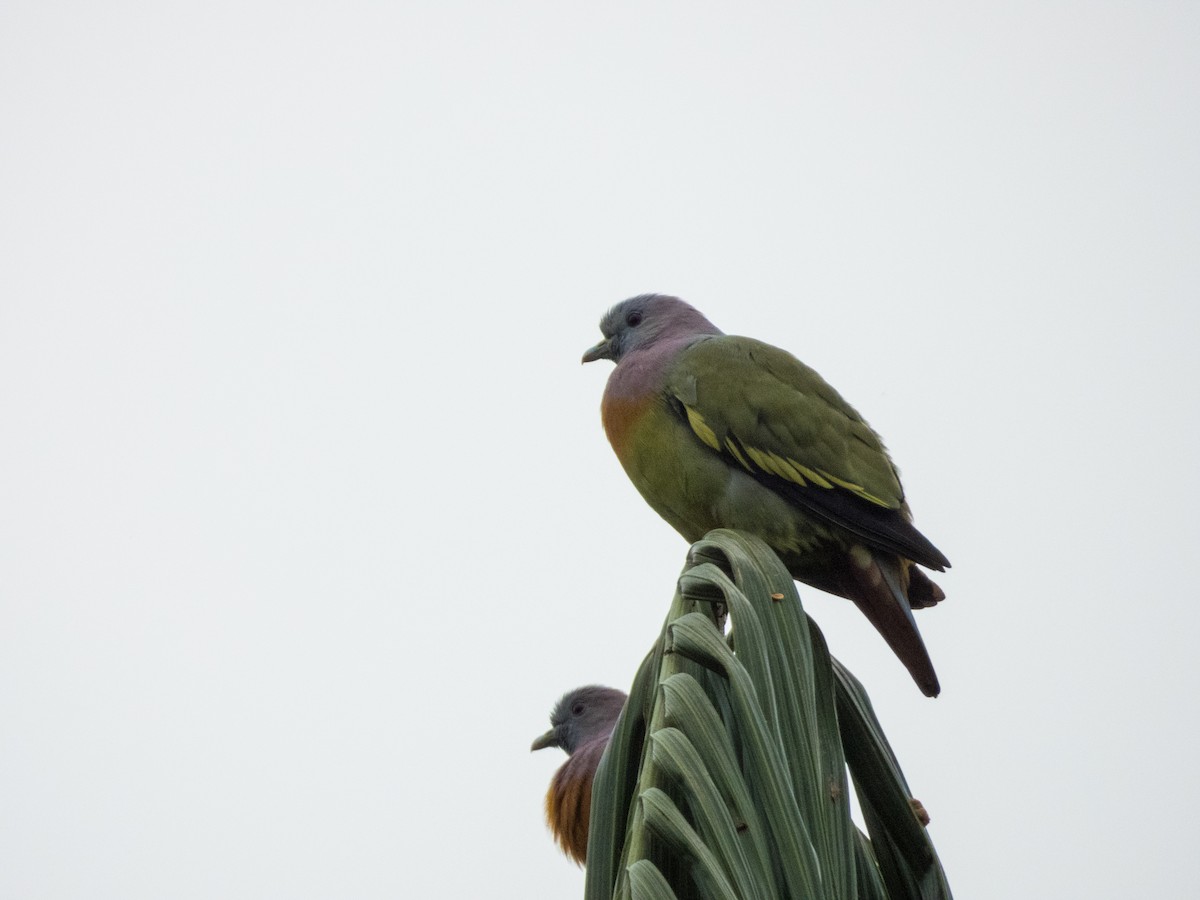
[549,739]
[602,350]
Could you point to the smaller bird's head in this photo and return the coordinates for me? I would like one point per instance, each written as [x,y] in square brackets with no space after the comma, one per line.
[581,716]
[642,321]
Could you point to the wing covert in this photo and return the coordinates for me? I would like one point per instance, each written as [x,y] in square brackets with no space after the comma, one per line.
[780,421]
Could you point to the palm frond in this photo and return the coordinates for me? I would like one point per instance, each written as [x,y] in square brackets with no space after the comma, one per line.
[728,774]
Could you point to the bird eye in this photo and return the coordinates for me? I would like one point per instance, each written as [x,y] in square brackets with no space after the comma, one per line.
[577,709]
[634,319]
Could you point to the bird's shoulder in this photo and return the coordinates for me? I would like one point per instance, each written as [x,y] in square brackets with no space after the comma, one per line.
[756,373]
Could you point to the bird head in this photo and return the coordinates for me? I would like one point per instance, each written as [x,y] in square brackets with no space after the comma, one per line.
[582,716]
[642,321]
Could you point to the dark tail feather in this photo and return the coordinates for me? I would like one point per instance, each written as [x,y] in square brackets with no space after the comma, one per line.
[885,603]
[922,592]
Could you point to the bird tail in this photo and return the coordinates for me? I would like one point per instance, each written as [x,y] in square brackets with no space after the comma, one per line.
[883,597]
[922,592]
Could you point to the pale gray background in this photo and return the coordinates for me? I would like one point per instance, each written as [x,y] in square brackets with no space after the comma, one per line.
[306,515]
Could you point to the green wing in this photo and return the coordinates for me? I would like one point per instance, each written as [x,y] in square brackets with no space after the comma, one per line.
[770,414]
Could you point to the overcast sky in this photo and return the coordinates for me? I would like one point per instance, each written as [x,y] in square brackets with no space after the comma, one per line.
[306,513]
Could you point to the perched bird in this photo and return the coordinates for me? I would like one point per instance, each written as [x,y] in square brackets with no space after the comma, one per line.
[581,724]
[720,431]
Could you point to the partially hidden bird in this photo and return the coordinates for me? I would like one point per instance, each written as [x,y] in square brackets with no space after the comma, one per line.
[723,431]
[581,724]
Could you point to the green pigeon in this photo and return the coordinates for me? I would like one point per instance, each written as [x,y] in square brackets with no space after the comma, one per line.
[721,431]
[581,724]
